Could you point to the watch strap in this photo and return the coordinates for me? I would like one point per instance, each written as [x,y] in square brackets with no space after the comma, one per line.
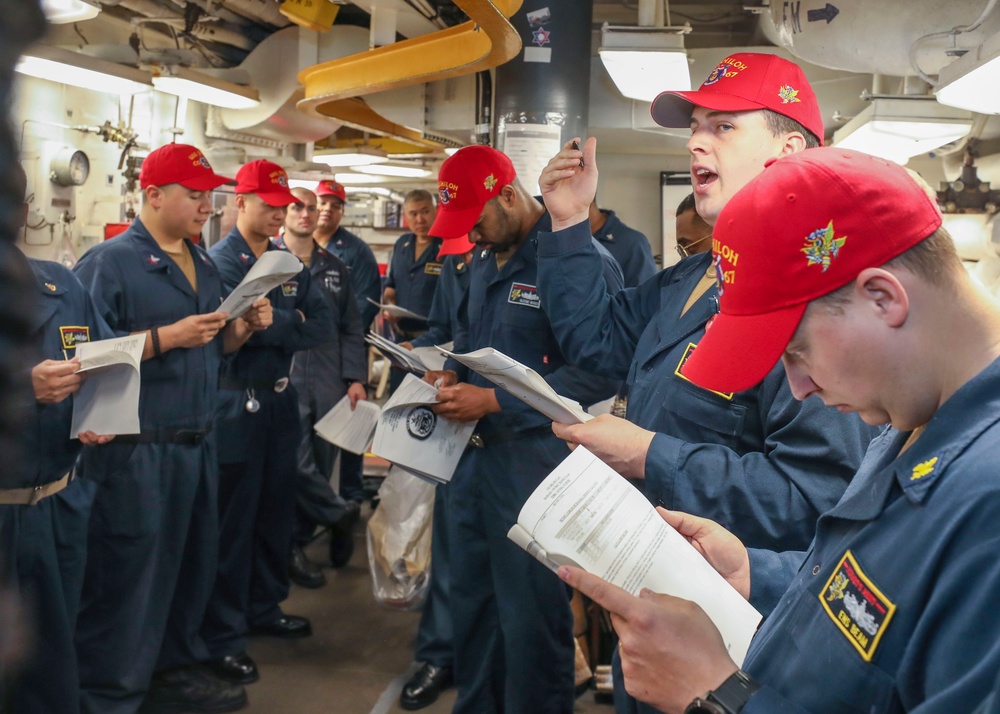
[729,698]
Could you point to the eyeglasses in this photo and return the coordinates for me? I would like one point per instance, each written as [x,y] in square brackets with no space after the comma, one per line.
[684,251]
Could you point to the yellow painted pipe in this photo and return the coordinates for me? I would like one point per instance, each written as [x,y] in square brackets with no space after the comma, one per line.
[485,41]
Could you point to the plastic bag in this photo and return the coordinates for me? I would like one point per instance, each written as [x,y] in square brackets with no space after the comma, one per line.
[399,541]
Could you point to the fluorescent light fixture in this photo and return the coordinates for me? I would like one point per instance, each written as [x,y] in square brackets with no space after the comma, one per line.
[346,178]
[899,128]
[60,12]
[58,65]
[644,61]
[204,88]
[360,156]
[388,170]
[970,82]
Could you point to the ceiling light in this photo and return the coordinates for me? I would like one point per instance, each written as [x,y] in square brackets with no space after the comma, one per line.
[359,156]
[60,12]
[970,81]
[897,128]
[644,61]
[347,178]
[204,88]
[387,170]
[58,65]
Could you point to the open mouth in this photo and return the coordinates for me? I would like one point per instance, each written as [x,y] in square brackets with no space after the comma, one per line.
[703,177]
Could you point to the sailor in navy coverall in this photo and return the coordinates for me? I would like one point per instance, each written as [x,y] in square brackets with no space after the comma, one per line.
[150,569]
[893,606]
[367,284]
[44,514]
[412,278]
[512,623]
[259,431]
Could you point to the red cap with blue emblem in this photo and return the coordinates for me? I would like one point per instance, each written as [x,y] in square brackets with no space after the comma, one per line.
[746,81]
[268,180]
[805,227]
[182,164]
[466,183]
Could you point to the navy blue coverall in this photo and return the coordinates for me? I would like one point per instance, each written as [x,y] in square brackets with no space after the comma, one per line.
[367,283]
[257,453]
[445,324]
[150,569]
[514,649]
[45,545]
[321,376]
[629,247]
[414,280]
[894,604]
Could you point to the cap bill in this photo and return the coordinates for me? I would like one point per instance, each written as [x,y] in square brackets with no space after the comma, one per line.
[277,198]
[206,182]
[455,246]
[455,222]
[673,109]
[738,351]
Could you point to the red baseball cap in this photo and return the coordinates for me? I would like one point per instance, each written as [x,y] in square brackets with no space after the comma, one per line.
[179,163]
[806,226]
[746,81]
[332,188]
[466,183]
[267,180]
[455,246]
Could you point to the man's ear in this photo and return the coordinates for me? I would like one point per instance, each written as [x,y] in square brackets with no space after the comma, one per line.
[884,293]
[154,196]
[508,196]
[794,142]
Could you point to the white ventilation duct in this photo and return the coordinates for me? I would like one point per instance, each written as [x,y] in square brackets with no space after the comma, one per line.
[874,36]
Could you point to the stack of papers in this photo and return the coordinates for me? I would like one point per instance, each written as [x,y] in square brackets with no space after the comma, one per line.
[412,436]
[524,383]
[272,269]
[419,360]
[350,430]
[108,400]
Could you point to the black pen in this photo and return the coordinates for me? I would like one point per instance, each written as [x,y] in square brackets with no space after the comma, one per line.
[576,145]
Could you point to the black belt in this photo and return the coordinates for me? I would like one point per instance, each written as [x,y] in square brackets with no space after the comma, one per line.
[482,439]
[164,436]
[278,385]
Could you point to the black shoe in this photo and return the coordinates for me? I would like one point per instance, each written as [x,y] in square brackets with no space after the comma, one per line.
[424,687]
[342,535]
[288,627]
[238,668]
[192,689]
[303,571]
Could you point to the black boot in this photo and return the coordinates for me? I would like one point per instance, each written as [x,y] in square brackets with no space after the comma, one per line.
[303,571]
[423,688]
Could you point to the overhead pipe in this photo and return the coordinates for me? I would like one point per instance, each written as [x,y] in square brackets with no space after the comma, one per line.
[485,41]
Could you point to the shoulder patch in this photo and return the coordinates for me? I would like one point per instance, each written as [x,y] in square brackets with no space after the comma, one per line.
[859,609]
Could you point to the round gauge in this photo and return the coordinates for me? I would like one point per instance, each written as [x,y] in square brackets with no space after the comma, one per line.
[69,167]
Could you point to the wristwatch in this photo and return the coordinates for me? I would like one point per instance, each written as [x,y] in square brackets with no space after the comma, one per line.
[729,698]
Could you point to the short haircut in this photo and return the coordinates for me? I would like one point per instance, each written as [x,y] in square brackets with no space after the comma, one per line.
[687,204]
[419,195]
[933,259]
[779,124]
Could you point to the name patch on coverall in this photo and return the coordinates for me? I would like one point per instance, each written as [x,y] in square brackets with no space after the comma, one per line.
[521,294]
[290,289]
[72,336]
[688,351]
[856,606]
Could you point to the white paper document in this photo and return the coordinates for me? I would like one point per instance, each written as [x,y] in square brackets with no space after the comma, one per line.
[108,399]
[350,430]
[587,515]
[418,360]
[397,311]
[524,383]
[271,270]
[412,436]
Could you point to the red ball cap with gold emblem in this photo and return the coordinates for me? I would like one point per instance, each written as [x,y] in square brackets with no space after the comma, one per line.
[805,227]
[268,180]
[746,81]
[179,163]
[466,183]
[331,188]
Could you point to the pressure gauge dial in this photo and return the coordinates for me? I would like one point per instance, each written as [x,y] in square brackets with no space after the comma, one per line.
[69,167]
